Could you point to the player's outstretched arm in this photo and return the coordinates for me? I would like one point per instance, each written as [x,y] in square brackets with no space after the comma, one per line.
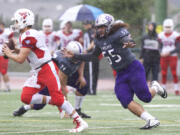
[83,57]
[20,57]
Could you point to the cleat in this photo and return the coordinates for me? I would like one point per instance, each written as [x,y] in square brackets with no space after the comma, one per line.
[19,112]
[151,124]
[81,125]
[160,90]
[83,115]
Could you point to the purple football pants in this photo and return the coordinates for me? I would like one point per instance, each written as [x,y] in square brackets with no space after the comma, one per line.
[130,81]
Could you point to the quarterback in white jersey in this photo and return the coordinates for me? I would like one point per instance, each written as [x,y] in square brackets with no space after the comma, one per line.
[170,42]
[45,70]
[52,41]
[5,35]
[67,34]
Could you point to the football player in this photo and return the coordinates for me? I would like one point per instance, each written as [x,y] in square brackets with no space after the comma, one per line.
[71,74]
[44,70]
[5,35]
[52,41]
[67,34]
[170,42]
[114,42]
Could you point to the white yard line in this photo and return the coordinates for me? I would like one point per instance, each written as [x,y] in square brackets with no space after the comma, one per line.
[92,128]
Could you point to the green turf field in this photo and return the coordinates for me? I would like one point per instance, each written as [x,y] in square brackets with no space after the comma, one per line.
[108,117]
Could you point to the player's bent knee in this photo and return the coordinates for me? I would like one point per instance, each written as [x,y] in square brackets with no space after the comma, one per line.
[26,98]
[38,106]
[146,98]
[57,99]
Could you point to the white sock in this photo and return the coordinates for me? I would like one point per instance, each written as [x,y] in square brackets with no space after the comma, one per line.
[146,116]
[48,98]
[37,99]
[78,101]
[7,85]
[176,86]
[67,107]
[27,107]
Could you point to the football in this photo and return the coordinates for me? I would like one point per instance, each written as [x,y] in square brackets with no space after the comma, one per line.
[11,46]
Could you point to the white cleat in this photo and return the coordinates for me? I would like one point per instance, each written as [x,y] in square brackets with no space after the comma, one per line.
[160,90]
[152,123]
[81,125]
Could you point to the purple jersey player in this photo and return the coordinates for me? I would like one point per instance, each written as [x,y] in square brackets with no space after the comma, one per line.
[114,41]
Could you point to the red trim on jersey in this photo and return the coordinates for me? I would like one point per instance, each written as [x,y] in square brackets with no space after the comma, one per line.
[11,35]
[29,42]
[67,34]
[47,33]
[168,34]
[177,39]
[79,36]
[56,38]
[39,53]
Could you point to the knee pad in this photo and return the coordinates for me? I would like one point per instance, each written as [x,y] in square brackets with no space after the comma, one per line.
[38,106]
[83,90]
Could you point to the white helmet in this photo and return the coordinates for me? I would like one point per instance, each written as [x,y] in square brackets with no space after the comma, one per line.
[63,24]
[119,21]
[168,25]
[23,18]
[104,20]
[74,47]
[47,25]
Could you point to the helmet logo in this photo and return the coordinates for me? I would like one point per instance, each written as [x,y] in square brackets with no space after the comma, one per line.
[108,18]
[24,15]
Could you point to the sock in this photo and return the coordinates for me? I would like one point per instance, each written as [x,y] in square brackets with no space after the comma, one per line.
[27,107]
[67,107]
[48,98]
[7,85]
[37,99]
[78,101]
[146,116]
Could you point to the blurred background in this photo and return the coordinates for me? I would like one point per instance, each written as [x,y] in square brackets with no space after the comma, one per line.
[137,13]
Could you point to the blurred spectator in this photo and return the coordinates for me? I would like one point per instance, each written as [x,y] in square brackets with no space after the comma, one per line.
[52,41]
[5,36]
[170,41]
[150,52]
[67,34]
[91,70]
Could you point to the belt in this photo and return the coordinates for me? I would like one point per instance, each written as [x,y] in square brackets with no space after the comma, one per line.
[43,64]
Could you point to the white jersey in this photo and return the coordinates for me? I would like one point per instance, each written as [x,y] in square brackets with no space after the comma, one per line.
[4,37]
[168,42]
[39,52]
[50,40]
[75,35]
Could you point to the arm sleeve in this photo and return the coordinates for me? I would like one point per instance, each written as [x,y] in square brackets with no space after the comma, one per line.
[89,56]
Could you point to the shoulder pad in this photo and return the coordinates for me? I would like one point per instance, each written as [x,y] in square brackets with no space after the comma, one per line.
[122,32]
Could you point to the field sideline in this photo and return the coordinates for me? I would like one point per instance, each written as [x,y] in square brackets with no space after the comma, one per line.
[108,117]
